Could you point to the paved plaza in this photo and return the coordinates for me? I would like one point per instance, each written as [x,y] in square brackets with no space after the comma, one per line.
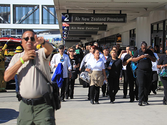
[79,111]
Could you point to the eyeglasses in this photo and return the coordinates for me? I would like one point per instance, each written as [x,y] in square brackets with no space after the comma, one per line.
[27,38]
[71,51]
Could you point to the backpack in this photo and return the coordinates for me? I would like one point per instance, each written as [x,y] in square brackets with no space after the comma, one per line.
[134,67]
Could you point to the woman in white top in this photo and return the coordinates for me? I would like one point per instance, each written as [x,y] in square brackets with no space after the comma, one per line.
[154,76]
[98,75]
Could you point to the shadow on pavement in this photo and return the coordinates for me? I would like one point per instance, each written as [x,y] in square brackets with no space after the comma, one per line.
[7,115]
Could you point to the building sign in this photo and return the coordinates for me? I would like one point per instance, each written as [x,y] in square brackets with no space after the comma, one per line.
[65,28]
[104,18]
[66,17]
[87,27]
[65,32]
[73,38]
[119,38]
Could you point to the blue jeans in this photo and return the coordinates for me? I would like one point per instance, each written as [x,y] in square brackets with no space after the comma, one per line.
[16,83]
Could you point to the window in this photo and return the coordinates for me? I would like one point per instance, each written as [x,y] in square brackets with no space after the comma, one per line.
[155,28]
[5,14]
[132,41]
[160,27]
[26,14]
[49,15]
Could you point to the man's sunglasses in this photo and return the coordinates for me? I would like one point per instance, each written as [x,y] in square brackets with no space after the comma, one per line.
[71,51]
[27,38]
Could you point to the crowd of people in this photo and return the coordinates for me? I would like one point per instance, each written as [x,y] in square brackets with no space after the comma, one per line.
[105,67]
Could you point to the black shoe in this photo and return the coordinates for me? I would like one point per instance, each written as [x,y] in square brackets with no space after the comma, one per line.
[131,100]
[91,101]
[146,103]
[124,96]
[112,102]
[137,98]
[140,103]
[154,92]
[164,103]
[88,98]
[71,97]
[97,103]
[67,96]
[62,100]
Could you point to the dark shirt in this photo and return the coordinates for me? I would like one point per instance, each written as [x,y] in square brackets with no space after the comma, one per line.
[119,51]
[145,63]
[74,61]
[162,60]
[128,67]
[79,53]
[107,61]
[115,68]
[86,52]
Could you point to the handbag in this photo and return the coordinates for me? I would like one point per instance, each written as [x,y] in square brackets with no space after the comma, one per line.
[74,75]
[85,76]
[54,95]
[134,68]
[162,72]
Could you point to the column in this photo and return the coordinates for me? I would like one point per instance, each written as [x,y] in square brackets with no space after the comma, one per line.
[40,14]
[11,13]
[143,31]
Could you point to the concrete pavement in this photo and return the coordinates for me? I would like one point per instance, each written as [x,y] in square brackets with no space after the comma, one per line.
[79,111]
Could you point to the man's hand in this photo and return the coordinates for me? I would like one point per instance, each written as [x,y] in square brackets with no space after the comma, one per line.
[109,67]
[144,56]
[130,59]
[148,56]
[31,54]
[38,40]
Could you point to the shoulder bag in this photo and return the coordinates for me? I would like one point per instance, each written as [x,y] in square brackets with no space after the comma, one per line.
[54,95]
[162,72]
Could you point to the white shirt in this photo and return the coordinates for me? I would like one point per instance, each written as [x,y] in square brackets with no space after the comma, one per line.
[96,65]
[86,58]
[103,57]
[66,63]
[122,58]
[154,64]
[89,56]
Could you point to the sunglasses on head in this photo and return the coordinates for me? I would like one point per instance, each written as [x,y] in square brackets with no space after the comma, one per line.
[27,38]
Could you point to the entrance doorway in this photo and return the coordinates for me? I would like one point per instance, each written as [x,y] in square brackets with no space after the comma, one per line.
[157,42]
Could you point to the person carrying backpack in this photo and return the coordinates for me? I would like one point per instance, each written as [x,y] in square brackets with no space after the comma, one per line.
[144,57]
